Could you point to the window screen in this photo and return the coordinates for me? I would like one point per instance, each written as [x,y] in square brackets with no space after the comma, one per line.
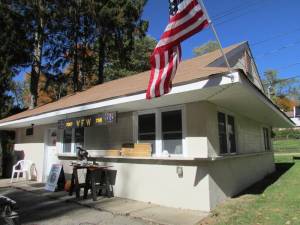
[79,137]
[298,111]
[266,138]
[172,131]
[67,140]
[231,134]
[146,129]
[222,132]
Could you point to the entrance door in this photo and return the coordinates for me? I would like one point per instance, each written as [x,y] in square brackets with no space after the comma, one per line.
[50,151]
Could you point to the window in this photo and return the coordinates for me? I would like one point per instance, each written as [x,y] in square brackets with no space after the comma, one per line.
[231,134]
[222,132]
[29,131]
[172,131]
[297,111]
[163,128]
[227,139]
[146,129]
[67,141]
[72,138]
[266,138]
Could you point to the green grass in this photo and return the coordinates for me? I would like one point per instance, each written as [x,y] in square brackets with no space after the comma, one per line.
[275,200]
[286,145]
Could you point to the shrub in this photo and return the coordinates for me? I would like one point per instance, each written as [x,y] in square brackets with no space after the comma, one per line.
[287,134]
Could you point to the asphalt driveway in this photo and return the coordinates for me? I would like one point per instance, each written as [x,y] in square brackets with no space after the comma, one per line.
[37,209]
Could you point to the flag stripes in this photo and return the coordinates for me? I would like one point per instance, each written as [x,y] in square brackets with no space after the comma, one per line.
[186,19]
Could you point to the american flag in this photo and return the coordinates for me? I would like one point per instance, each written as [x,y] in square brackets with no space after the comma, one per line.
[186,19]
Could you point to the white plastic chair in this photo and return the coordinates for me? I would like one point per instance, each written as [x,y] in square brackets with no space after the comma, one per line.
[24,167]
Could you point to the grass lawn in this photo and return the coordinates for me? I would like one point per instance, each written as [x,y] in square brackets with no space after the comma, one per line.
[287,145]
[275,200]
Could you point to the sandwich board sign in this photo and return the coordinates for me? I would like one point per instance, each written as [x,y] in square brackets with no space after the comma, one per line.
[56,176]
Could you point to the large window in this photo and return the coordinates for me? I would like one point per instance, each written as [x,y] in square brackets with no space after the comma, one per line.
[67,141]
[172,131]
[231,134]
[227,138]
[146,129]
[73,138]
[266,138]
[163,128]
[297,111]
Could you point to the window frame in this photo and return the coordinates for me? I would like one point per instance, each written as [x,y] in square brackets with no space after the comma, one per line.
[158,127]
[227,134]
[267,142]
[73,147]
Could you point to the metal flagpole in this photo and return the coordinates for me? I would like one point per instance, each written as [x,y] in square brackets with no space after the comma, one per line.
[216,34]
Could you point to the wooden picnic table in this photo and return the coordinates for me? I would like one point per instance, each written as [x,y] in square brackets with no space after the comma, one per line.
[97,178]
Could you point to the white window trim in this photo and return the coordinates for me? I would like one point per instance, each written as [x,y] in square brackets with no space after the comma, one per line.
[158,130]
[73,150]
[268,140]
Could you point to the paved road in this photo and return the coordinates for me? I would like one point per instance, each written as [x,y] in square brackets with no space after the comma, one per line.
[35,209]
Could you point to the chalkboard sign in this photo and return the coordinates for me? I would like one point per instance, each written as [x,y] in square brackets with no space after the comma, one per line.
[56,178]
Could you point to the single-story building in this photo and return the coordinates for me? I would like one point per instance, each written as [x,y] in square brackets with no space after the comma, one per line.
[294,115]
[210,135]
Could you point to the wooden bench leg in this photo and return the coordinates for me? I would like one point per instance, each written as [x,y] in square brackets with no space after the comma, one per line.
[93,187]
[72,184]
[109,190]
[87,185]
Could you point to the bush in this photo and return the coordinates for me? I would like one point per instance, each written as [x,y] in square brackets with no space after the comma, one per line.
[287,134]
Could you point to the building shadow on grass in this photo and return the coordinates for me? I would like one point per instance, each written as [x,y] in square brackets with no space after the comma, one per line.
[260,186]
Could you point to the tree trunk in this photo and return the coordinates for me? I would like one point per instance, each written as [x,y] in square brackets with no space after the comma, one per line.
[37,59]
[35,70]
[76,52]
[101,55]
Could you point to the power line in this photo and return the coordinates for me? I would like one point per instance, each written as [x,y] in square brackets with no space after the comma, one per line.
[240,15]
[288,66]
[274,51]
[236,9]
[276,36]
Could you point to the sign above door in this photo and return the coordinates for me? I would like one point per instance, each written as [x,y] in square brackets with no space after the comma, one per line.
[88,121]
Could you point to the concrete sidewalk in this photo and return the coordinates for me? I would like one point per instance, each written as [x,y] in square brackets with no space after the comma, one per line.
[147,212]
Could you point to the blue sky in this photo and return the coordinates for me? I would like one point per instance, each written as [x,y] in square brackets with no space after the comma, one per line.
[253,21]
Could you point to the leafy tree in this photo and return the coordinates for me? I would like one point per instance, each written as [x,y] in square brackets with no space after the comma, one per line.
[138,60]
[14,53]
[281,91]
[208,47]
[118,23]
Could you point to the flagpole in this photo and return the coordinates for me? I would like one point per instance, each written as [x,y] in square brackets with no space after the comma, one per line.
[216,35]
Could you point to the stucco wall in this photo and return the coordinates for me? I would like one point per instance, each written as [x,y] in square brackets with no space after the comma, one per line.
[33,146]
[160,184]
[202,131]
[230,176]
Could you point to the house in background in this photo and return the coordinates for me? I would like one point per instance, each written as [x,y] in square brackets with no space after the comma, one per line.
[210,135]
[295,115]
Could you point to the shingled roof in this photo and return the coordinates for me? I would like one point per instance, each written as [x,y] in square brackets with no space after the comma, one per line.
[188,70]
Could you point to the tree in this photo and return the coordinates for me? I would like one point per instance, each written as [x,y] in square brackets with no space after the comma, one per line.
[208,47]
[14,53]
[18,92]
[118,23]
[138,60]
[281,91]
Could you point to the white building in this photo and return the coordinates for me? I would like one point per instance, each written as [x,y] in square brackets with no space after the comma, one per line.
[295,115]
[214,126]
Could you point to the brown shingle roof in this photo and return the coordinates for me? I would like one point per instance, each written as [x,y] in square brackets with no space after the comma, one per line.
[188,70]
